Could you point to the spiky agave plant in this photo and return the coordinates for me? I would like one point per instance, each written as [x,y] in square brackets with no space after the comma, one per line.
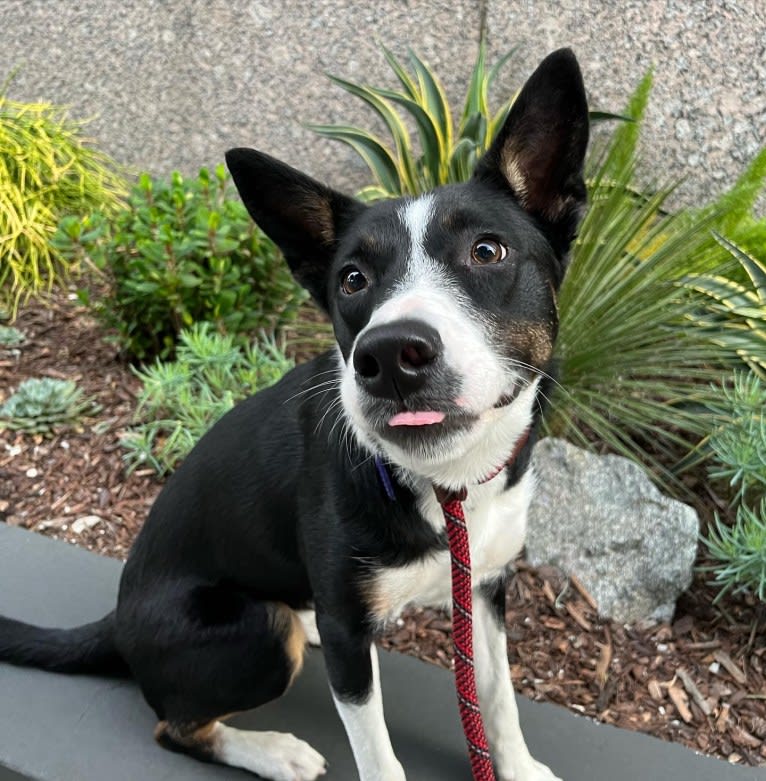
[634,373]
[447,153]
[735,314]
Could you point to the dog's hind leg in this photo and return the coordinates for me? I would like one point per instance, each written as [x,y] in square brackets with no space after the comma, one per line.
[274,755]
[200,651]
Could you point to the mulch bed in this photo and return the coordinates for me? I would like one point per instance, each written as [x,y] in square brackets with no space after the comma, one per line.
[700,681]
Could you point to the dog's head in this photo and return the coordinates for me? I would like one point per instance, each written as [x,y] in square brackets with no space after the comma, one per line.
[443,305]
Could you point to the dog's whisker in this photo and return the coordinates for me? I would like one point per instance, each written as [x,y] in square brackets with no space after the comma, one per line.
[535,370]
[333,406]
[320,387]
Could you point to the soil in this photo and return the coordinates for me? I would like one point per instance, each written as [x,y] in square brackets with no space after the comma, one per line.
[700,680]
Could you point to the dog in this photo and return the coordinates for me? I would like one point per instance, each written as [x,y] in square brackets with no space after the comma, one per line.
[308,512]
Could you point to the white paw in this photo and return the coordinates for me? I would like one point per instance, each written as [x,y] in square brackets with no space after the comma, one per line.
[294,759]
[278,756]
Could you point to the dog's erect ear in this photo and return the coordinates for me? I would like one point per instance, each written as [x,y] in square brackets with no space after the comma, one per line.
[540,149]
[302,216]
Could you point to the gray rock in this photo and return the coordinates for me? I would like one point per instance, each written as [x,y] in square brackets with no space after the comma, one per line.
[601,518]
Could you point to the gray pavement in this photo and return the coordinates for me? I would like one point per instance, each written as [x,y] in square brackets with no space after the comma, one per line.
[76,728]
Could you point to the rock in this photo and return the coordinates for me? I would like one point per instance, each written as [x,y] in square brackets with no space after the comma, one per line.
[601,518]
[85,522]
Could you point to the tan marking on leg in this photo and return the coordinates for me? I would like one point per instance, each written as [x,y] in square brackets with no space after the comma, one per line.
[289,627]
[197,739]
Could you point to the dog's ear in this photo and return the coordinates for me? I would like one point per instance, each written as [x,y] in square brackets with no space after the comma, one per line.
[302,216]
[539,151]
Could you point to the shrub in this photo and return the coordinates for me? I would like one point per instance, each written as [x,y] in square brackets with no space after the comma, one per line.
[738,446]
[181,252]
[740,553]
[180,400]
[47,171]
[42,405]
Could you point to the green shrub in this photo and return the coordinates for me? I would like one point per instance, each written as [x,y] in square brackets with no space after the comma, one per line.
[738,448]
[740,553]
[47,171]
[43,405]
[181,400]
[183,251]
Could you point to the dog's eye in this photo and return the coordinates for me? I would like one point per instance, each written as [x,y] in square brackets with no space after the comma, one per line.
[352,281]
[487,251]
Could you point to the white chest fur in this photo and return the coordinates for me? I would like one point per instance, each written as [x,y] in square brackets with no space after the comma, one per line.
[496,522]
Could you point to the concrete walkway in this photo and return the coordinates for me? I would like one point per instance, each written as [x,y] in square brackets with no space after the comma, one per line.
[70,728]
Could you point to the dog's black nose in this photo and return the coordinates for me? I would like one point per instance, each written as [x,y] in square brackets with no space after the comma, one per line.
[395,360]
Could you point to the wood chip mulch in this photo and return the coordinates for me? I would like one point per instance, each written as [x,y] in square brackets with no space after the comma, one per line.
[700,681]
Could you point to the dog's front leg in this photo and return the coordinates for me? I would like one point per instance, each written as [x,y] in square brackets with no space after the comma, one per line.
[496,698]
[352,666]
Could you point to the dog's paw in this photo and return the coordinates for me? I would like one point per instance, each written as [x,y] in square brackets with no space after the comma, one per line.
[294,759]
[278,756]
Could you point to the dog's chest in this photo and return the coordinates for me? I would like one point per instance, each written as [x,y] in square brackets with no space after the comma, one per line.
[496,528]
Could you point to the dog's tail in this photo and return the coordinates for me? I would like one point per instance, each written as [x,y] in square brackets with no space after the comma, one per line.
[85,649]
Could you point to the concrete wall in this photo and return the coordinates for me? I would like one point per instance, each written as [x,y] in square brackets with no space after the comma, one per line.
[173,83]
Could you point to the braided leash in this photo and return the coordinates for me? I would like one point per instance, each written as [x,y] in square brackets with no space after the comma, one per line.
[462,623]
[462,635]
[462,610]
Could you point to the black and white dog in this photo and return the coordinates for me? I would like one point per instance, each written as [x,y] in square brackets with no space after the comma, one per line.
[280,522]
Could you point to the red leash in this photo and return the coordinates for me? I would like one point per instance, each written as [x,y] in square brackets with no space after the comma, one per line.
[462,637]
[462,623]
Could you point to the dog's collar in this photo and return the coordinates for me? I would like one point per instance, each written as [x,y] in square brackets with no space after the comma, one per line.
[443,494]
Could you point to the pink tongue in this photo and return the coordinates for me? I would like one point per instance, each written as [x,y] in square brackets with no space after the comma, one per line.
[425,418]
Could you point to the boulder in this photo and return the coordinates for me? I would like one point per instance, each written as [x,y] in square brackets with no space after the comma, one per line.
[602,519]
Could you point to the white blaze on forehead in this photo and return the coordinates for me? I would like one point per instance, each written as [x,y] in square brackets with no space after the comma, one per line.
[416,216]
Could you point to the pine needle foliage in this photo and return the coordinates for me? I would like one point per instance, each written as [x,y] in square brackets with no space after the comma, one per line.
[738,448]
[48,170]
[181,399]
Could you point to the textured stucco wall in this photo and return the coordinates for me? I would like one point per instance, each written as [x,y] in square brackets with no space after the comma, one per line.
[173,83]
